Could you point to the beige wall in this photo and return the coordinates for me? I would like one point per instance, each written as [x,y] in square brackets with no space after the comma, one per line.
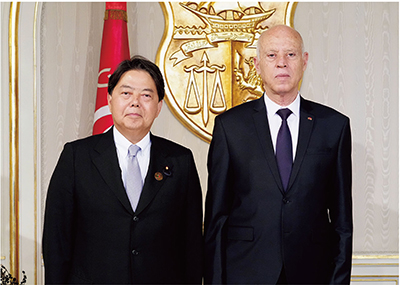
[353,67]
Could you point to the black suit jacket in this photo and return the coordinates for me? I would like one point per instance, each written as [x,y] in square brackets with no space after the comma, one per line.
[92,235]
[252,227]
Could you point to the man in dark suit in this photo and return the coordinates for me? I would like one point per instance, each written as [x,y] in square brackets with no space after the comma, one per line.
[95,230]
[273,215]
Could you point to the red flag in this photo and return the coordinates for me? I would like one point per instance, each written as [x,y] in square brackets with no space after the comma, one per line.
[114,49]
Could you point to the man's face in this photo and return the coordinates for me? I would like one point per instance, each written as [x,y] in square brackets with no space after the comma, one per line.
[281,63]
[134,104]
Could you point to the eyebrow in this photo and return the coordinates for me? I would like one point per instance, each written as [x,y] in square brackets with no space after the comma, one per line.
[126,86]
[284,50]
[148,90]
[132,88]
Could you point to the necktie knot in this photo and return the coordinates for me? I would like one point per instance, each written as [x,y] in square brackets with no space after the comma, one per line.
[284,113]
[133,150]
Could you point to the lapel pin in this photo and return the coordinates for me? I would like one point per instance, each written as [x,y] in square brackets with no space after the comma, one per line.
[167,171]
[158,176]
[309,118]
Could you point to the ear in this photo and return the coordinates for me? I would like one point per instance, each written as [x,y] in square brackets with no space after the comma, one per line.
[160,103]
[256,64]
[305,60]
[109,99]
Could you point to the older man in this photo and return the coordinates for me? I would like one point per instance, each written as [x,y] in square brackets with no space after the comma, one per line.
[279,206]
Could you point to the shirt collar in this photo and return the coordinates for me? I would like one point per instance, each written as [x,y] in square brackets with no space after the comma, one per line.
[123,143]
[272,107]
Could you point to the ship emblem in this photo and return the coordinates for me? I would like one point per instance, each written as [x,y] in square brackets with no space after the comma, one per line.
[206,56]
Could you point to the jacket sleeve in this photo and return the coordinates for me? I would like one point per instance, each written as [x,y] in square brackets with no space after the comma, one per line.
[340,211]
[58,220]
[194,219]
[217,206]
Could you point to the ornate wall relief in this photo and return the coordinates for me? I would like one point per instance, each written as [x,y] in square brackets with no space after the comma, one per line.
[206,56]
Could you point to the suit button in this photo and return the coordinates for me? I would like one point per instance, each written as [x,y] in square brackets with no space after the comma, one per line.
[135,252]
[135,218]
[285,201]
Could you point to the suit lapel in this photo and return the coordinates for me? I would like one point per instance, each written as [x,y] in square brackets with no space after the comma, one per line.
[104,157]
[305,130]
[153,181]
[264,135]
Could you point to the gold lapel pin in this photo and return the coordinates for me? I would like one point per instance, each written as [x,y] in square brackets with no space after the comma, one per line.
[158,176]
[167,171]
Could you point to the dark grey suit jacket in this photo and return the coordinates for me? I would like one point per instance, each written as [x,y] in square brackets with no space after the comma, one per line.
[252,227]
[92,235]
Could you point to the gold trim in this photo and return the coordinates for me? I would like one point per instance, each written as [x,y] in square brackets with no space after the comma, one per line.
[374,280]
[291,9]
[35,156]
[289,21]
[115,14]
[375,264]
[375,276]
[14,139]
[368,278]
[375,256]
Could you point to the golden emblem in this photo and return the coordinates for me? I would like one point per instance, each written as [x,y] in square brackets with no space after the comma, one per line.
[206,56]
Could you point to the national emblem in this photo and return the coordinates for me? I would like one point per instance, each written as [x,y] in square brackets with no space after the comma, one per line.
[206,56]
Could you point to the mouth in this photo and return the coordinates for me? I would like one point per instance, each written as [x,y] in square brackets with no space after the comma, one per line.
[133,115]
[282,75]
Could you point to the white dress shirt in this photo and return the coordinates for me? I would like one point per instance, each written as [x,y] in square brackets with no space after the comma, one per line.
[275,121]
[143,156]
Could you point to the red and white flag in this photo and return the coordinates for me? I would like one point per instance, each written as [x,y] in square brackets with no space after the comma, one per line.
[114,49]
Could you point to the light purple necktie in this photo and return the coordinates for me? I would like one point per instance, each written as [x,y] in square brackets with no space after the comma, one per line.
[134,182]
[284,151]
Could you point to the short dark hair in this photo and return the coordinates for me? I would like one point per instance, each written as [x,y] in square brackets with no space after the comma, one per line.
[138,62]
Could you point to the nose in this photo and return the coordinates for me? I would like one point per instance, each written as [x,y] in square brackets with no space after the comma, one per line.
[281,61]
[135,100]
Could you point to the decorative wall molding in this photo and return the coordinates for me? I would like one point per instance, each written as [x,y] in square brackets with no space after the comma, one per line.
[372,269]
[13,64]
